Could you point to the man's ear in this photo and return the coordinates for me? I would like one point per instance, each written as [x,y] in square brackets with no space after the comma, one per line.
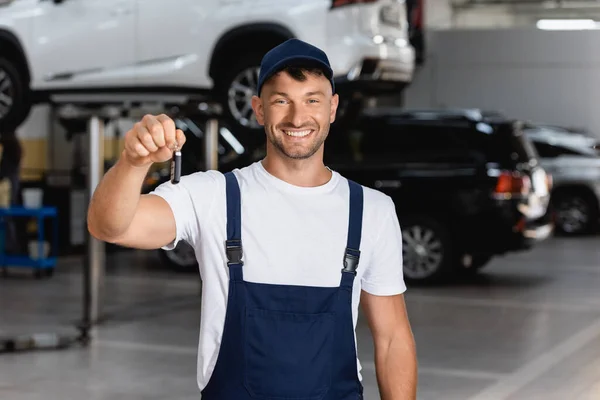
[335,101]
[259,111]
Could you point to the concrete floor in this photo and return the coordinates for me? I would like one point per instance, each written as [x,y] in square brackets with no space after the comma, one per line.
[527,328]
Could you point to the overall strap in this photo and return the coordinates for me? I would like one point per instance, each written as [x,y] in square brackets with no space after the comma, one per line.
[233,245]
[352,254]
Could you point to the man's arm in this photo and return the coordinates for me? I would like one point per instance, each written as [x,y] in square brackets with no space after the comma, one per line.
[118,213]
[395,350]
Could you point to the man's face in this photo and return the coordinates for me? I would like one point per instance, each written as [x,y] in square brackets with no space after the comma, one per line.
[296,115]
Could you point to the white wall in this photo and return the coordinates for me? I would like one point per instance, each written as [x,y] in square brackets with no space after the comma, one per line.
[446,14]
[551,77]
[437,14]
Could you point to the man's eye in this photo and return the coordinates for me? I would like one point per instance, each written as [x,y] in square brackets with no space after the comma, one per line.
[313,101]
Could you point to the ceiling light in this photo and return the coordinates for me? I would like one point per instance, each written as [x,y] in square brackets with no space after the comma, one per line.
[567,24]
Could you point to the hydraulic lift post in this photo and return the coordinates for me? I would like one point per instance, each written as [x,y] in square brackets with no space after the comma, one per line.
[95,262]
[211,145]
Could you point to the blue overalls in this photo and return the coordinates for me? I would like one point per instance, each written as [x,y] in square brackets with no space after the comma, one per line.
[287,342]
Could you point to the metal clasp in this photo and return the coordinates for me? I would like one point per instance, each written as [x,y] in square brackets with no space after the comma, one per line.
[350,263]
[234,251]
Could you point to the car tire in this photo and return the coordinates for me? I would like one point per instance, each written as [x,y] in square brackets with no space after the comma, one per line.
[426,249]
[576,212]
[13,87]
[181,259]
[234,88]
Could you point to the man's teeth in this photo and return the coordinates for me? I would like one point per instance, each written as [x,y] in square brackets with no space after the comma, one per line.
[297,133]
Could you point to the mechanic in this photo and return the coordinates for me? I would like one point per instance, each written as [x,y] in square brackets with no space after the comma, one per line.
[287,247]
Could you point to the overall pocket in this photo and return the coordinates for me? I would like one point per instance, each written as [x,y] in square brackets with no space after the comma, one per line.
[288,355]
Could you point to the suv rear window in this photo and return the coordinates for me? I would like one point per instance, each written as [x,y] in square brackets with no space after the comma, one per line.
[400,140]
[510,145]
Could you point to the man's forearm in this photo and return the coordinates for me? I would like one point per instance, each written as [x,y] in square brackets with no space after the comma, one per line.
[396,366]
[115,200]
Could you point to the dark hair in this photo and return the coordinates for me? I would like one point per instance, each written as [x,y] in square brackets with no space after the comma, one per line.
[299,73]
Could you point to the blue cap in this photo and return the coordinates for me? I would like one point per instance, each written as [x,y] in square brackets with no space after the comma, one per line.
[293,52]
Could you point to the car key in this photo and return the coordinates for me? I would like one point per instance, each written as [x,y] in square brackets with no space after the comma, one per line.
[176,165]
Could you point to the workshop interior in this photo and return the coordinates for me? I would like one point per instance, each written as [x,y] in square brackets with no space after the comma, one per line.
[479,118]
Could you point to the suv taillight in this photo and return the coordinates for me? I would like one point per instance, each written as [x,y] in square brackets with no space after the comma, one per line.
[512,184]
[340,3]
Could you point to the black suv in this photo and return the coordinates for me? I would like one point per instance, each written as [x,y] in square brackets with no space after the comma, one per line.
[467,184]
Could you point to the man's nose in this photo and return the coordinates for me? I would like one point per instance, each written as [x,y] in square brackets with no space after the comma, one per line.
[298,115]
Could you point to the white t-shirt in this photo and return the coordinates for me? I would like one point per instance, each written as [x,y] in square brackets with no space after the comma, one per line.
[290,235]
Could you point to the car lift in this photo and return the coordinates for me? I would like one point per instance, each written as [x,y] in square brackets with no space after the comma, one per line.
[97,110]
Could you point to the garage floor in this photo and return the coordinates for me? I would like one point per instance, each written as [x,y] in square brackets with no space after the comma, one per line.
[528,328]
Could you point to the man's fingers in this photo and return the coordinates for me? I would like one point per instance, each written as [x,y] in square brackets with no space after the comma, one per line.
[140,150]
[157,131]
[153,139]
[164,153]
[180,138]
[134,147]
[168,128]
[144,136]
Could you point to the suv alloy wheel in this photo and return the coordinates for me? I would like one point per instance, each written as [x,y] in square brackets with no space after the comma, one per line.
[576,213]
[14,102]
[239,97]
[234,88]
[425,249]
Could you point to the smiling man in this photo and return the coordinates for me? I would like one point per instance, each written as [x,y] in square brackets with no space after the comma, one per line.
[287,248]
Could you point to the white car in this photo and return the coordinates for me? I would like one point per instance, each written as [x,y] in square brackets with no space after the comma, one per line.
[190,47]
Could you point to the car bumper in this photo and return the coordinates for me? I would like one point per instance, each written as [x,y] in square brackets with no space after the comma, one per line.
[537,233]
[505,230]
[528,233]
[380,69]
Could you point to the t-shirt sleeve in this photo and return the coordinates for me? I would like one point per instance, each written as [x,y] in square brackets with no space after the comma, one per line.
[191,201]
[384,276]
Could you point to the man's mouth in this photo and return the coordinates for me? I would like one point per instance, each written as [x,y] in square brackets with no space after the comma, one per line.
[300,134]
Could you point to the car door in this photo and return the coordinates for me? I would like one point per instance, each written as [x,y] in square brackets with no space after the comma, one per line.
[174,41]
[83,43]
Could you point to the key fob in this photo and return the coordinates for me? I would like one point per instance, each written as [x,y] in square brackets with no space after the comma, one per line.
[176,167]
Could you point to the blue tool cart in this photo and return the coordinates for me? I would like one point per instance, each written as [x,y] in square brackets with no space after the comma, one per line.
[42,264]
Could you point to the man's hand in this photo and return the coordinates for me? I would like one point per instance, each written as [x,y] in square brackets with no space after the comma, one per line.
[152,140]
[395,353]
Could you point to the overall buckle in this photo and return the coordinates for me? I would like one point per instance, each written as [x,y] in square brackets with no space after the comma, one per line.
[351,262]
[233,249]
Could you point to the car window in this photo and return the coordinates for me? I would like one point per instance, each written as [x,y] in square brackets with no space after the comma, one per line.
[547,150]
[508,145]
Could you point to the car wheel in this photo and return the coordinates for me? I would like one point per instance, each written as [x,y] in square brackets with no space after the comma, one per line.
[235,88]
[15,103]
[426,250]
[575,213]
[181,259]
